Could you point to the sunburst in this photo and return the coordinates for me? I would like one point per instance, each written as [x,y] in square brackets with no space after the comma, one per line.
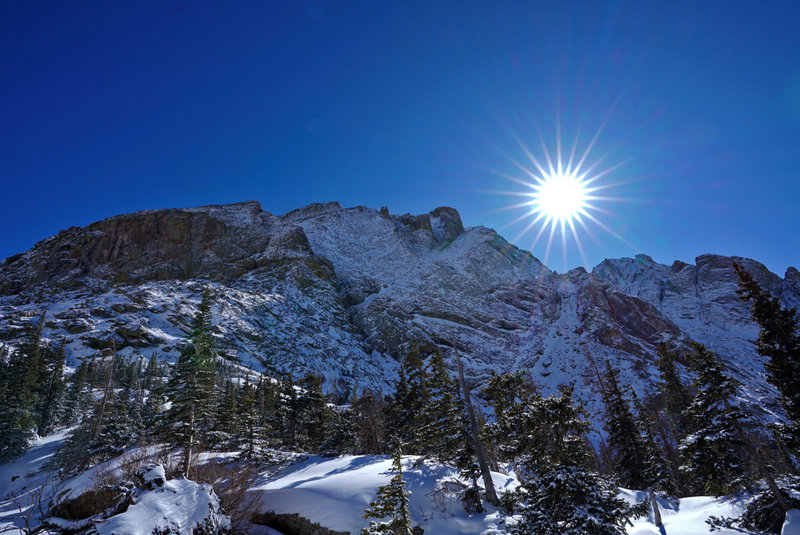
[562,195]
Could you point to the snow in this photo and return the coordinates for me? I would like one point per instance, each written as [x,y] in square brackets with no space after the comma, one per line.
[29,485]
[687,516]
[505,310]
[152,474]
[792,524]
[179,506]
[335,492]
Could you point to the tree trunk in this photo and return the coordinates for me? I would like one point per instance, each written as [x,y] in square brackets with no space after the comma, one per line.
[656,511]
[99,423]
[773,487]
[187,455]
[491,494]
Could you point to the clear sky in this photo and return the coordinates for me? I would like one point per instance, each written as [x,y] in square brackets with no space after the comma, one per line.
[113,107]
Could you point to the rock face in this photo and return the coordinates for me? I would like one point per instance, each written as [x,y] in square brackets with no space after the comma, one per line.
[342,292]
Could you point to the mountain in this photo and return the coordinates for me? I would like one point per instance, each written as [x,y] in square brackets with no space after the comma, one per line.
[343,292]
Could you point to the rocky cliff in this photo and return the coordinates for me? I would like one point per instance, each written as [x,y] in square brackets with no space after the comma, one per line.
[341,292]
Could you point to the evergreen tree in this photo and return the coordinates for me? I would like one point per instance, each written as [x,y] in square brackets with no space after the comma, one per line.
[515,433]
[406,411]
[227,430]
[20,390]
[558,494]
[86,445]
[252,430]
[49,407]
[313,413]
[191,388]
[151,375]
[32,370]
[676,395]
[628,454]
[289,408]
[340,433]
[16,419]
[390,508]
[117,431]
[442,420]
[78,395]
[268,401]
[369,411]
[657,472]
[570,500]
[713,448]
[778,341]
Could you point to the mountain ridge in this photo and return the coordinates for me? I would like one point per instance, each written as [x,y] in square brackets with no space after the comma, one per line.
[343,292]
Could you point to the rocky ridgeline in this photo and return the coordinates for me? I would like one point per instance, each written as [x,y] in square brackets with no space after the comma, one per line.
[341,292]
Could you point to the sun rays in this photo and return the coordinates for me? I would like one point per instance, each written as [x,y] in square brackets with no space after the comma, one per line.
[562,196]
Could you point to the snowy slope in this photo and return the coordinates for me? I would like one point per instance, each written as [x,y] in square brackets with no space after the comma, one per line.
[335,492]
[343,291]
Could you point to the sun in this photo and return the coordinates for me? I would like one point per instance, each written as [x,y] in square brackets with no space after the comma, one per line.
[560,196]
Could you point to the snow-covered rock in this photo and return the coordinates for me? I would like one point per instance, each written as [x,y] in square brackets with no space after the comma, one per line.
[151,476]
[341,292]
[178,506]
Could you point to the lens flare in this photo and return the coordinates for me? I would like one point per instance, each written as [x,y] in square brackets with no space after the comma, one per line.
[561,196]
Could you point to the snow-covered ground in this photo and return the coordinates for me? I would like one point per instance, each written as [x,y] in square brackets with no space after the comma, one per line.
[688,516]
[335,491]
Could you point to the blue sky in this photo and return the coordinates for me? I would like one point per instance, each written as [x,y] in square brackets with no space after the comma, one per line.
[113,107]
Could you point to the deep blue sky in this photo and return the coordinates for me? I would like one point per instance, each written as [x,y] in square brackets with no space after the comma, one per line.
[122,106]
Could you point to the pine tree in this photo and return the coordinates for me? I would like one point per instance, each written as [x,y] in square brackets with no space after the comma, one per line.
[340,433]
[78,395]
[33,369]
[390,508]
[16,420]
[313,413]
[252,434]
[406,410]
[225,430]
[713,449]
[117,431]
[369,410]
[49,407]
[20,390]
[778,341]
[191,388]
[628,453]
[675,393]
[268,401]
[570,500]
[515,432]
[289,408]
[657,473]
[441,422]
[558,495]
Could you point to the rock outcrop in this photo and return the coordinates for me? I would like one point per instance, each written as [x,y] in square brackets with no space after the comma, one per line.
[343,291]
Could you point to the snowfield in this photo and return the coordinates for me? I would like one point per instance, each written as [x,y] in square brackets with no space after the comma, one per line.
[333,492]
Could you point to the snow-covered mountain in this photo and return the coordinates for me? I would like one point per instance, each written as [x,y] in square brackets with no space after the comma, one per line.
[344,291]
